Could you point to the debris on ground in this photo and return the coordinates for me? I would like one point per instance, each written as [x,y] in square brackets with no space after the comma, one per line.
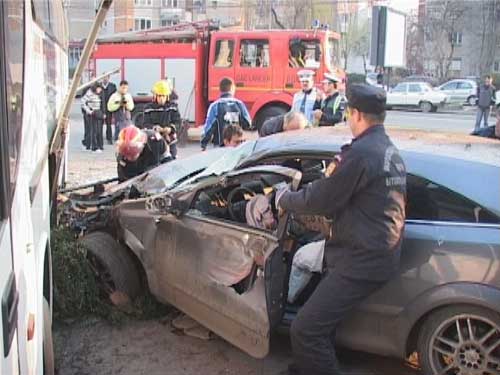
[191,327]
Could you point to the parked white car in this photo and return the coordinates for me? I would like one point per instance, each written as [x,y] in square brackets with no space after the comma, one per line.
[416,95]
[460,91]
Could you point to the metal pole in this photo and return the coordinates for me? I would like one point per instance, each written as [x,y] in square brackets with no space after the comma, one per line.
[62,123]
[58,141]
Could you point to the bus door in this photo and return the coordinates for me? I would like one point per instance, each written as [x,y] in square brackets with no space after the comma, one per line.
[221,63]
[253,75]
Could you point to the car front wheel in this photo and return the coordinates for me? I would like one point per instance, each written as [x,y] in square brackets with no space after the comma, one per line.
[460,340]
[113,267]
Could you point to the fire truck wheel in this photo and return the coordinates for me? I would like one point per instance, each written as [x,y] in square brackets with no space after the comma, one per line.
[268,112]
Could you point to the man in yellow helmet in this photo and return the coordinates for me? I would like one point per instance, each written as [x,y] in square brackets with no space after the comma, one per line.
[163,114]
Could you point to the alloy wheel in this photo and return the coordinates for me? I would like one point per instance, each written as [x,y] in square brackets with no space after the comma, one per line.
[466,345]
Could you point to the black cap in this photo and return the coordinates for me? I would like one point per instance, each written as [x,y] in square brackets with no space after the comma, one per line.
[366,98]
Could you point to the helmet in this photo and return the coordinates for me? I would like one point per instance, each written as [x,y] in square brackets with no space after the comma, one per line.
[131,141]
[162,88]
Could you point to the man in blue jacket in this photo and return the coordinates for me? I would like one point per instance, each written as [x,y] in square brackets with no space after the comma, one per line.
[227,110]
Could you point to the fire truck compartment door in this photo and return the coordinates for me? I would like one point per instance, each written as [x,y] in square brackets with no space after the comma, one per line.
[181,72]
[141,75]
[106,65]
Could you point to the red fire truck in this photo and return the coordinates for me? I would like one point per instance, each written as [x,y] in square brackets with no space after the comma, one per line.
[196,56]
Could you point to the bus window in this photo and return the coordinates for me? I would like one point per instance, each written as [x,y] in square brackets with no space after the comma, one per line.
[224,52]
[13,43]
[304,53]
[50,17]
[254,53]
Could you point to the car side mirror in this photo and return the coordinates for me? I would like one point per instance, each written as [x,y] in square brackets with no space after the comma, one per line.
[164,204]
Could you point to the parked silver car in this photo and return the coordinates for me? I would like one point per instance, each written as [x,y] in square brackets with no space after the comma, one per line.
[199,253]
[462,91]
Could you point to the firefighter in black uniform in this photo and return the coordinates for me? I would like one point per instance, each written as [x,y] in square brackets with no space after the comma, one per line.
[329,110]
[365,198]
[140,150]
[164,113]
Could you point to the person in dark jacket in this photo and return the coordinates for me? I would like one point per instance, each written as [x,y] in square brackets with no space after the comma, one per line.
[364,196]
[227,110]
[93,106]
[329,111]
[163,113]
[292,120]
[485,99]
[138,151]
[108,89]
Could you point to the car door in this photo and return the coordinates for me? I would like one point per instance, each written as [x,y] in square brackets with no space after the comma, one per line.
[397,96]
[464,91]
[450,90]
[211,256]
[416,94]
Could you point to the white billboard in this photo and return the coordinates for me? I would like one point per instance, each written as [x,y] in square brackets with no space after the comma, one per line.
[395,43]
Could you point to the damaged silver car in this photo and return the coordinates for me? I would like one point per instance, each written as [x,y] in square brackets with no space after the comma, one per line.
[209,241]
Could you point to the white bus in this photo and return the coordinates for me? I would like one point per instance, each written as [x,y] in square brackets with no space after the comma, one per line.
[33,84]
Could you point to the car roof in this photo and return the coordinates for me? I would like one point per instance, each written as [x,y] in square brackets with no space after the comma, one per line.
[452,160]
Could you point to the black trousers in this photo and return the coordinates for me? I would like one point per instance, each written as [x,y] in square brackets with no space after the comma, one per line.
[86,130]
[313,330]
[96,141]
[109,131]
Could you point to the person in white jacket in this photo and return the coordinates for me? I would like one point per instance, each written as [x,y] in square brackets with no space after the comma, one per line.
[121,104]
[303,101]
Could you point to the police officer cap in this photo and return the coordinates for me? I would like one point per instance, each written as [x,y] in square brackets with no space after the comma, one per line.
[366,98]
[330,78]
[305,74]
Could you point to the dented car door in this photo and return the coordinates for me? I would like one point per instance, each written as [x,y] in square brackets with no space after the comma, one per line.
[198,275]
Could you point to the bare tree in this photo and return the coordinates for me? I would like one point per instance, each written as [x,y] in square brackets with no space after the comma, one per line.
[443,21]
[355,38]
[485,25]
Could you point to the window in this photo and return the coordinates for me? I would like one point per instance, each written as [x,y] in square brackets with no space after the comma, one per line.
[496,66]
[456,38]
[304,53]
[254,53]
[11,94]
[429,201]
[414,88]
[175,4]
[224,52]
[450,86]
[334,52]
[456,64]
[464,86]
[51,17]
[142,23]
[400,88]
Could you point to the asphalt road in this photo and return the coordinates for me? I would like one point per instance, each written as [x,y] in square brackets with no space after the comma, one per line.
[150,347]
[456,122]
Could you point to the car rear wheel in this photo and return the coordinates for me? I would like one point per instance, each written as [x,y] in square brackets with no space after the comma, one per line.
[460,340]
[471,100]
[426,107]
[113,267]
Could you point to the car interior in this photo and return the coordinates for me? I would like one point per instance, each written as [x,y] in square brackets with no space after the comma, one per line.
[233,203]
